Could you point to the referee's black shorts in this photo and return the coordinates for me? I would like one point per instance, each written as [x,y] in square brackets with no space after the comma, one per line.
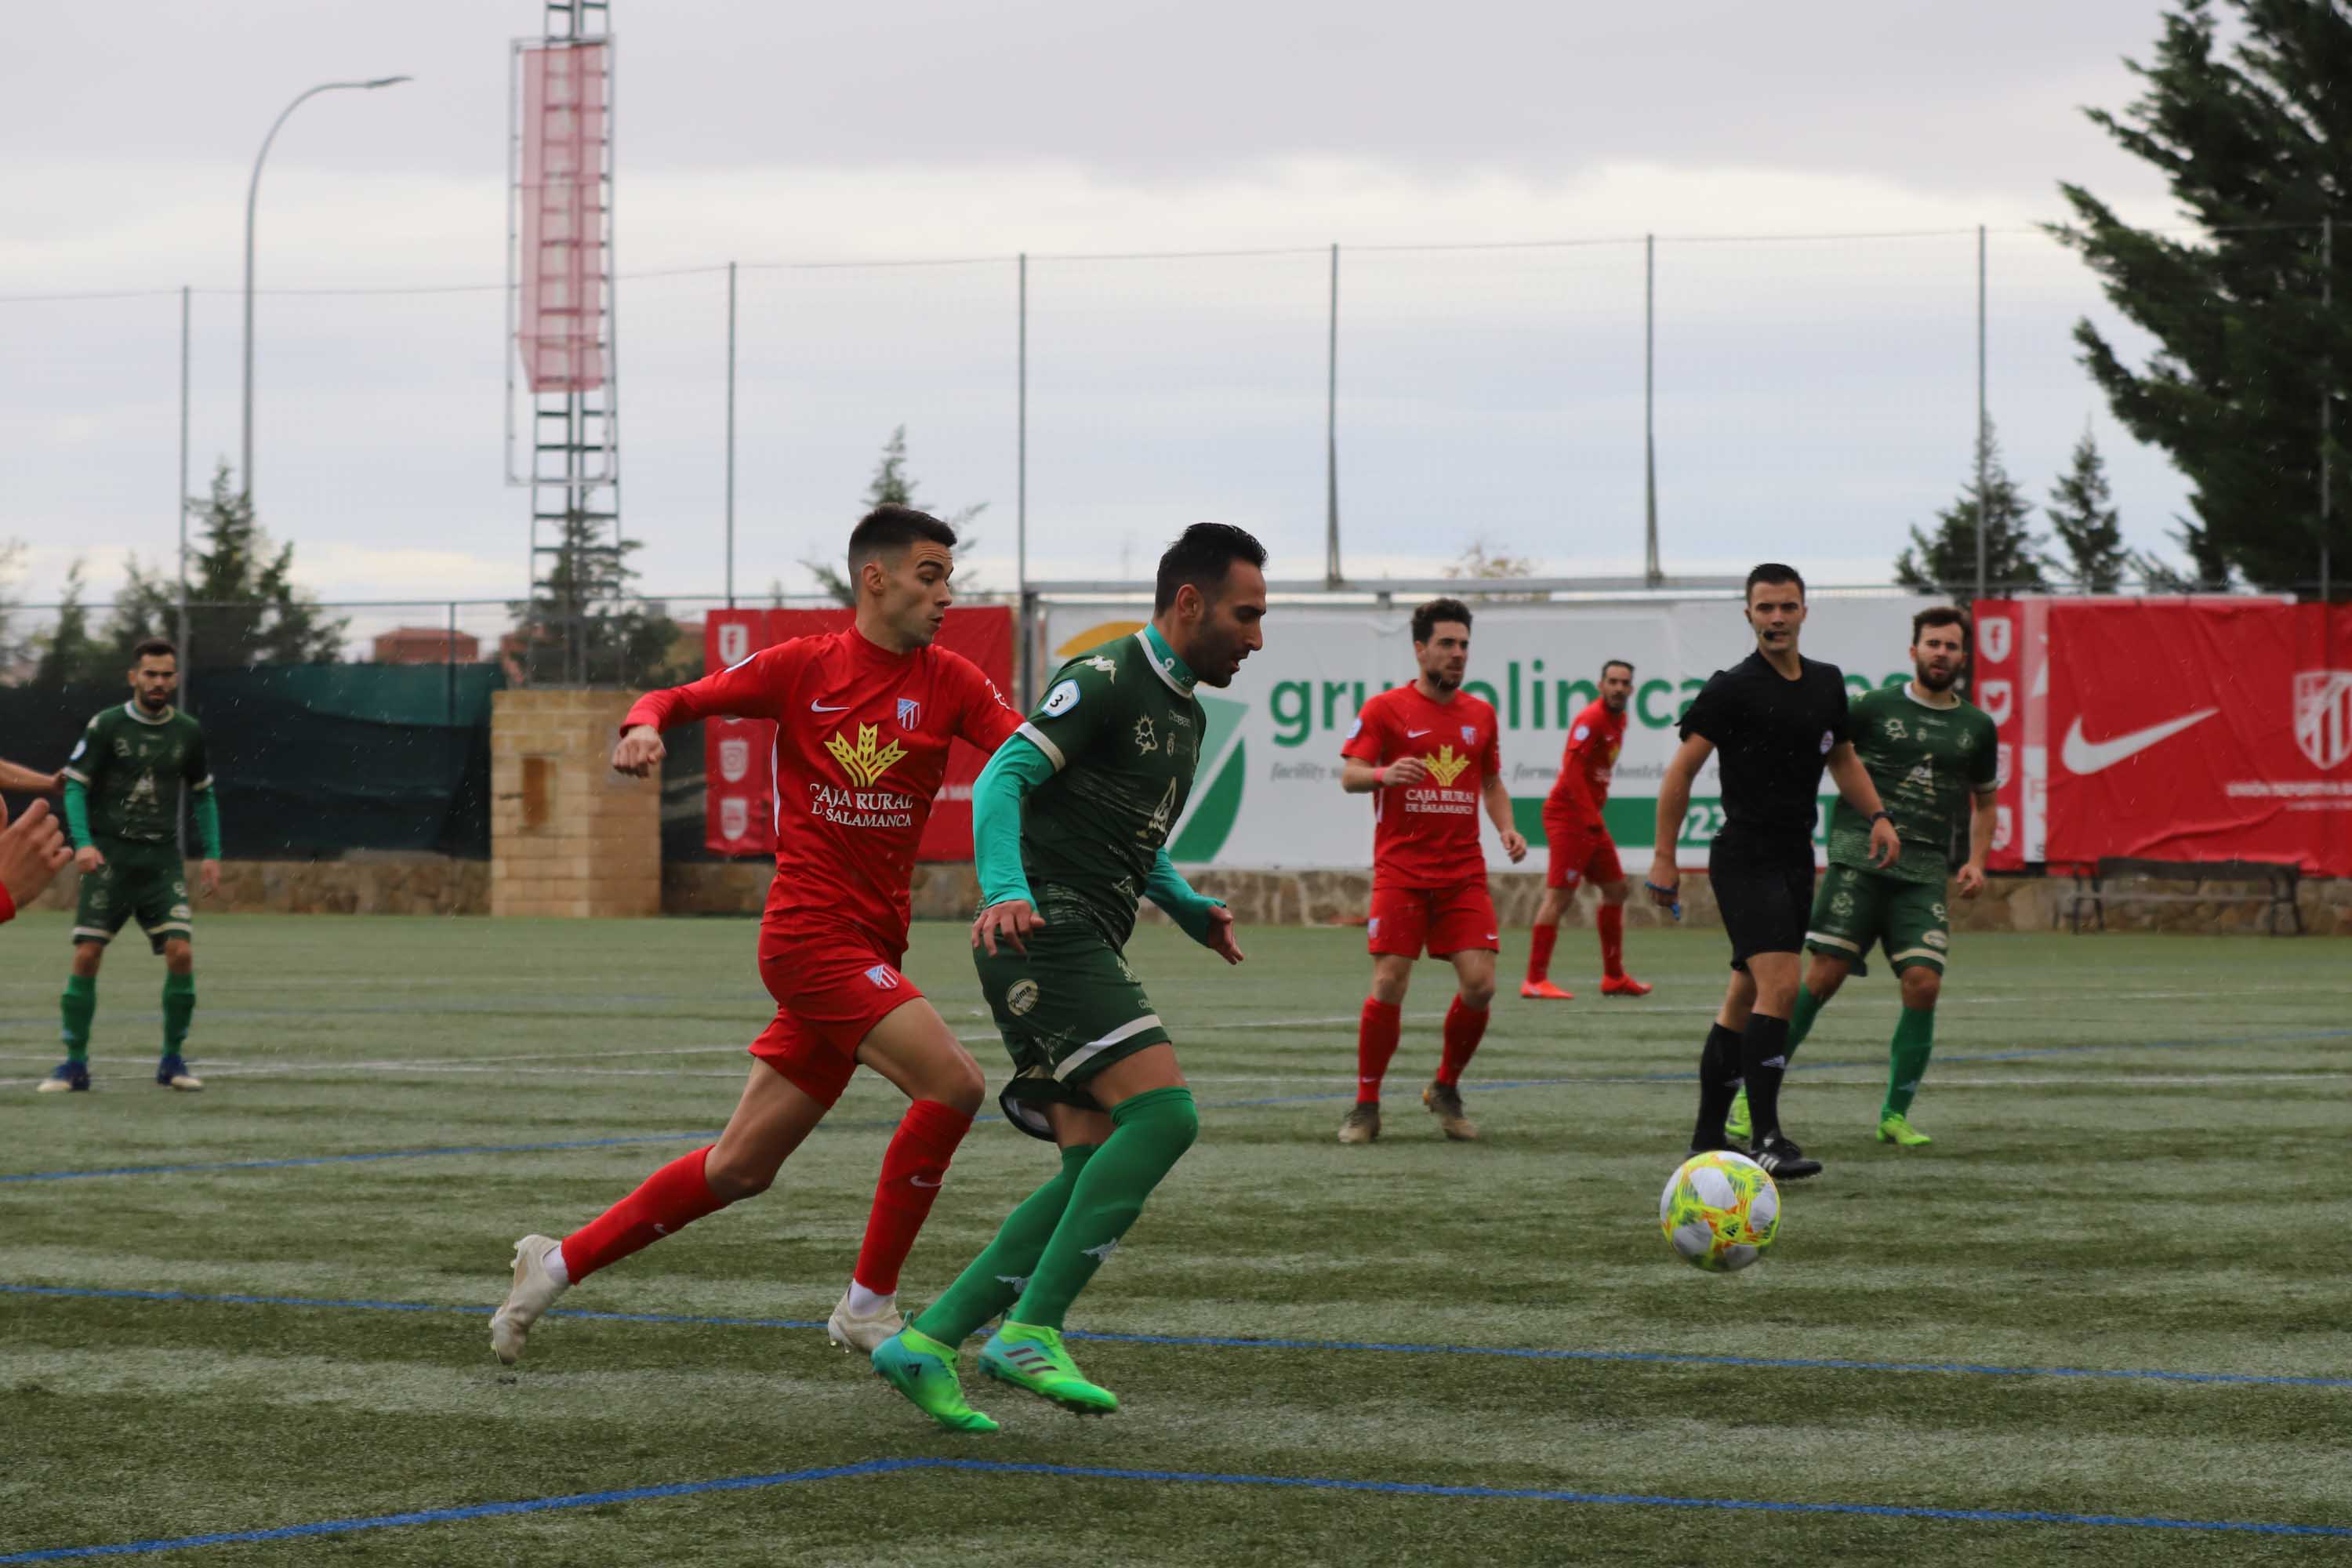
[1764,886]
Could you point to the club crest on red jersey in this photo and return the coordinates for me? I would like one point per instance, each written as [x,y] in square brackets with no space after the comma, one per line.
[910,713]
[1469,734]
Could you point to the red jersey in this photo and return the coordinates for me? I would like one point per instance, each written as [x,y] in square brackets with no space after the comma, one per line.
[1587,763]
[861,747]
[1426,834]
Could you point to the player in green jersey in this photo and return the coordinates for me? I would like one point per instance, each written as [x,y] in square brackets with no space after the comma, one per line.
[1104,765]
[122,811]
[1927,751]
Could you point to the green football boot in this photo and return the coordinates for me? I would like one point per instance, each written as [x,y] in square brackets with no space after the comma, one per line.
[1893,1129]
[1032,1358]
[1735,1124]
[922,1369]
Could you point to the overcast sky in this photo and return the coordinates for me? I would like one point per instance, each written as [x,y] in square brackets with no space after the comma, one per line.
[1814,396]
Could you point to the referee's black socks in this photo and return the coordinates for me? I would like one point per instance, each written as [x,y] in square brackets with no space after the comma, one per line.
[1763,1059]
[1719,1080]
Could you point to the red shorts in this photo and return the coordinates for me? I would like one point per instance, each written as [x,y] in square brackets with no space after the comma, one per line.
[832,985]
[1578,854]
[1445,921]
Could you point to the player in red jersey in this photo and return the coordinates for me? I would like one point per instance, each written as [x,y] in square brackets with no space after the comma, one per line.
[1582,850]
[1429,756]
[864,719]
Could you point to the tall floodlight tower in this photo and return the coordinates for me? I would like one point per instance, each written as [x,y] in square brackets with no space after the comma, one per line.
[561,316]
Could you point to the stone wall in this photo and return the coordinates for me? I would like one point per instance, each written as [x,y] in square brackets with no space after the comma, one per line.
[569,837]
[369,884]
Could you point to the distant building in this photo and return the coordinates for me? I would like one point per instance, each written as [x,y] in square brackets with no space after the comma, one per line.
[427,644]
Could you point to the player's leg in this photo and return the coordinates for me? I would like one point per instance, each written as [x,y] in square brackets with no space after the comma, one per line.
[1845,922]
[1918,936]
[179,1013]
[1719,1060]
[1609,875]
[1775,892]
[772,1117]
[915,1049]
[1560,890]
[1399,924]
[78,1007]
[1465,1027]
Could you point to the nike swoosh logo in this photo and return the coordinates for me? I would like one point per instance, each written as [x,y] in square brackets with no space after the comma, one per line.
[2081,756]
[917,1181]
[1414,734]
[821,708]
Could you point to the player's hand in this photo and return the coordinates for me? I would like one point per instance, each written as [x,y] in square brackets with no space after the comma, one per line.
[639,752]
[1402,771]
[1220,940]
[32,850]
[1972,879]
[1012,921]
[1515,845]
[57,783]
[208,877]
[1886,844]
[1664,883]
[87,857]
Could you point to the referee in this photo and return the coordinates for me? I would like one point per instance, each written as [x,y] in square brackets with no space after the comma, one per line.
[1773,718]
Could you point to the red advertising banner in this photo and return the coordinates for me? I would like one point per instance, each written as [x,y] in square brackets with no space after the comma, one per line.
[2204,729]
[738,752]
[1995,663]
[560,202]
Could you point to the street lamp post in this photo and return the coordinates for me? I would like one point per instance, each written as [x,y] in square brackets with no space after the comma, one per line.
[252,194]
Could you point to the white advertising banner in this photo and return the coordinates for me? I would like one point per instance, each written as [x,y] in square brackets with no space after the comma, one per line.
[1268,794]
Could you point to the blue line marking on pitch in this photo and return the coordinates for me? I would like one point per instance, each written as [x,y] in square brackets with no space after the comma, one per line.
[1219,1342]
[1182,1478]
[352,1159]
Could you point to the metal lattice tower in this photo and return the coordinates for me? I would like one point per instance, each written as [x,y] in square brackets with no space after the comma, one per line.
[571,460]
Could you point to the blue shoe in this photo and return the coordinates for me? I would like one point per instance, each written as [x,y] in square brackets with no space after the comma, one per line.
[69,1075]
[173,1072]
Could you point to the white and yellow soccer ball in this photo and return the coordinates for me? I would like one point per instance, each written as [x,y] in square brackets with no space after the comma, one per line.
[1720,1211]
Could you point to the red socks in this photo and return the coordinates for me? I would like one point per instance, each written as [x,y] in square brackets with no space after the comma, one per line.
[1376,1042]
[1465,1027]
[913,1167]
[1539,946]
[1610,919]
[671,1199]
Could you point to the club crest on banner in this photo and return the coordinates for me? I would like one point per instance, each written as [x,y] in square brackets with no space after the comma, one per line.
[734,761]
[1994,638]
[2322,715]
[734,642]
[2004,824]
[734,818]
[1997,696]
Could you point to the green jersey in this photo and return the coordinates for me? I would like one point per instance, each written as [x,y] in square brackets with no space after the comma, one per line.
[133,767]
[1123,731]
[1928,763]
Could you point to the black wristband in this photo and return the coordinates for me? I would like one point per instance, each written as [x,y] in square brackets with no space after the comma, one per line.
[1882,815]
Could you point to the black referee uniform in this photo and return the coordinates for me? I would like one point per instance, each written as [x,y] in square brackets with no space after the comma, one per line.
[1771,737]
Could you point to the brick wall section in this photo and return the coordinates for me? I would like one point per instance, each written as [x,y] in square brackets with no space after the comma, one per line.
[597,852]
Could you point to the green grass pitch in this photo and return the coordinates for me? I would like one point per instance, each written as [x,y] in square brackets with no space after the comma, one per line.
[2140,1167]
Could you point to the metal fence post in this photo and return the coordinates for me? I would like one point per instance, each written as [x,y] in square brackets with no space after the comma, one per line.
[1332,575]
[730,435]
[1984,507]
[1024,673]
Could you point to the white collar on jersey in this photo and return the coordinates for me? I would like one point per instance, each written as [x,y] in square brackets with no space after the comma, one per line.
[131,708]
[1931,707]
[1152,657]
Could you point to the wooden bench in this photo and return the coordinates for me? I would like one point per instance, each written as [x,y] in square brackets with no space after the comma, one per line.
[2277,887]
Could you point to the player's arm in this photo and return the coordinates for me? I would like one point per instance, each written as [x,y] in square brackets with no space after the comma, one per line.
[984,718]
[27,781]
[1856,787]
[1984,813]
[32,851]
[1203,918]
[753,688]
[1674,804]
[1497,797]
[81,770]
[198,772]
[1008,910]
[1361,768]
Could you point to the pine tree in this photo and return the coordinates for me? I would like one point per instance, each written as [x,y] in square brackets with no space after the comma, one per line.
[2255,140]
[2083,515]
[892,485]
[69,652]
[1944,561]
[586,624]
[244,607]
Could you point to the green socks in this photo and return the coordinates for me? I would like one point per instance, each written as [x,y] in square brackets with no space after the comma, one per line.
[179,1007]
[996,1279]
[1149,1134]
[1914,1037]
[76,1007]
[1800,1021]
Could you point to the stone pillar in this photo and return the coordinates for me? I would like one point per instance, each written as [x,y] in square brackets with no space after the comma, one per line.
[569,837]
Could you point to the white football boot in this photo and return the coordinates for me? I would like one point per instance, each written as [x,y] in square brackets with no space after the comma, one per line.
[850,1332]
[536,1286]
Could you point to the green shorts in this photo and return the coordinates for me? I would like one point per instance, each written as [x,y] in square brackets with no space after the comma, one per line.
[141,881]
[1067,1009]
[1853,908]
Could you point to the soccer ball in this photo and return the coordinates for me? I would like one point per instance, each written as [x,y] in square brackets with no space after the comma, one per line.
[1720,1211]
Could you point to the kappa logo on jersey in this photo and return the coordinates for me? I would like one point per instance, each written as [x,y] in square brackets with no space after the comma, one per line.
[911,712]
[2322,715]
[1108,667]
[1147,738]
[1445,767]
[884,977]
[734,759]
[866,761]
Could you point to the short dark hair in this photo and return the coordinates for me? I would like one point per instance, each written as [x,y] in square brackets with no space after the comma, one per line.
[154,648]
[889,527]
[1203,555]
[1609,664]
[1772,572]
[1425,618]
[1940,616]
